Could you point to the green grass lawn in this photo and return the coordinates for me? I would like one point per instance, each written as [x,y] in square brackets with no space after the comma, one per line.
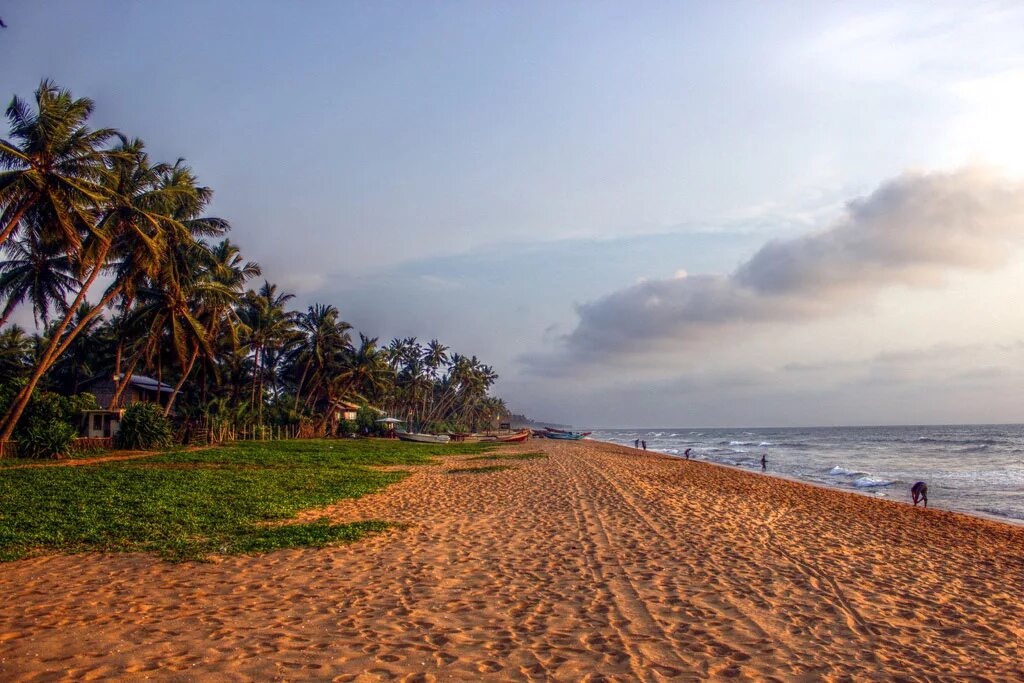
[187,505]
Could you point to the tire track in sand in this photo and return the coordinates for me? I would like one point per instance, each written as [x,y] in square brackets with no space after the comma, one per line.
[755,629]
[824,583]
[648,641]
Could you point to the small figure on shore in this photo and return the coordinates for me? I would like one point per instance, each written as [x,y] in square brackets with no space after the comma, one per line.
[764,462]
[636,443]
[687,453]
[919,492]
[644,444]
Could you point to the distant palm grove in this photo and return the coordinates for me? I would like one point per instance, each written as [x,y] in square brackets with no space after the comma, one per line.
[127,277]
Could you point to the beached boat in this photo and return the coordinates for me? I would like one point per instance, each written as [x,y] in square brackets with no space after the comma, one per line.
[567,436]
[423,438]
[553,433]
[521,435]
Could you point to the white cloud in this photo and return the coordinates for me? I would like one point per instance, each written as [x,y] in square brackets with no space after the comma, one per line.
[912,231]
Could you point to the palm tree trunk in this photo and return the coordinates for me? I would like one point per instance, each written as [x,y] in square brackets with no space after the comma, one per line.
[255,372]
[56,347]
[123,383]
[302,380]
[181,382]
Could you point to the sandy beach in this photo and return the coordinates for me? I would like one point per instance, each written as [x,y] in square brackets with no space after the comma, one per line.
[594,563]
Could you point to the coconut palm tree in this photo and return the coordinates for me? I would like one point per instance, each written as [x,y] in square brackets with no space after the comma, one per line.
[16,353]
[37,272]
[127,238]
[53,162]
[269,325]
[322,340]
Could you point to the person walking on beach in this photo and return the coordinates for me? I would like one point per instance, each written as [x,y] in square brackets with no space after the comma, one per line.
[644,444]
[636,443]
[687,453]
[764,462]
[919,492]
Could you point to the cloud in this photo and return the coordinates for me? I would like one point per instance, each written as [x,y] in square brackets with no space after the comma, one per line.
[911,231]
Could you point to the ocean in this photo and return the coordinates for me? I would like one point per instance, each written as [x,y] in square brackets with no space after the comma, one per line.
[977,469]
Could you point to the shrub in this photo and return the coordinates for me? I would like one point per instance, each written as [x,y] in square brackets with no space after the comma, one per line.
[347,427]
[144,427]
[45,439]
[366,420]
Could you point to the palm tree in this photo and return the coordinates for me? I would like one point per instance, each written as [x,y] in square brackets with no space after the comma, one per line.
[53,162]
[16,352]
[41,273]
[128,237]
[269,325]
[323,337]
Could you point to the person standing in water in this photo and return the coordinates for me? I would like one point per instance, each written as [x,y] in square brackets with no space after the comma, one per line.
[644,444]
[636,443]
[687,453]
[764,462]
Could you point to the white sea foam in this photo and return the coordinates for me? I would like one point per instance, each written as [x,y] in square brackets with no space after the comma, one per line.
[868,482]
[840,471]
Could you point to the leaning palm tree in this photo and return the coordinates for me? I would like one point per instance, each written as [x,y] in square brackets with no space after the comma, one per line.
[53,161]
[128,237]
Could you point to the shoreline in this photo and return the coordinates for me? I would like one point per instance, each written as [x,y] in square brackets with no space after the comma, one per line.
[593,560]
[1009,521]
[863,492]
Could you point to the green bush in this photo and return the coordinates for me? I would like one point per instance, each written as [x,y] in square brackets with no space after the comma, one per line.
[45,439]
[366,421]
[144,427]
[347,427]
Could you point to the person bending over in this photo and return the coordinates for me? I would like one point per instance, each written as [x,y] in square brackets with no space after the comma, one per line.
[919,492]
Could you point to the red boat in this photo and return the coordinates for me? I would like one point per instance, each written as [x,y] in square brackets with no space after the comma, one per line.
[522,435]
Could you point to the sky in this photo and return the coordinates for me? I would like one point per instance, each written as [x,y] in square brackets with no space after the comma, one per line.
[641,214]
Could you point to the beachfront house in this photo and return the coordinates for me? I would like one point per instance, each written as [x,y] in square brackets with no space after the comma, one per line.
[346,411]
[104,423]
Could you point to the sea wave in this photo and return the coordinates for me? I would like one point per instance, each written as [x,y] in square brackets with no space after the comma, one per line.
[973,449]
[958,442]
[870,482]
[841,471]
[999,512]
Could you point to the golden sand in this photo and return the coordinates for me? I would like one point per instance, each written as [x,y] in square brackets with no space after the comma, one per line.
[597,562]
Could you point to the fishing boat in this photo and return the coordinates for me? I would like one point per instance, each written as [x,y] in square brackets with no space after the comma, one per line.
[553,433]
[464,437]
[521,435]
[567,436]
[416,437]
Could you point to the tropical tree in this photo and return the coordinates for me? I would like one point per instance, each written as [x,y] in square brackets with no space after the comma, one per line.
[38,272]
[127,237]
[54,163]
[16,353]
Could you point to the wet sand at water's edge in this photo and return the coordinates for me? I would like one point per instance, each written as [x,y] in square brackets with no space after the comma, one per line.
[597,562]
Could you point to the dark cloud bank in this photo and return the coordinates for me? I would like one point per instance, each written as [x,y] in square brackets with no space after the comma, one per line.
[910,231]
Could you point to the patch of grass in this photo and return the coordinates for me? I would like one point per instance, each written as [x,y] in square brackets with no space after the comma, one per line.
[186,505]
[480,470]
[509,456]
[313,535]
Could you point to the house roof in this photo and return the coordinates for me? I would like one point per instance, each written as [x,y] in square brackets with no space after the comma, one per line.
[140,381]
[144,382]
